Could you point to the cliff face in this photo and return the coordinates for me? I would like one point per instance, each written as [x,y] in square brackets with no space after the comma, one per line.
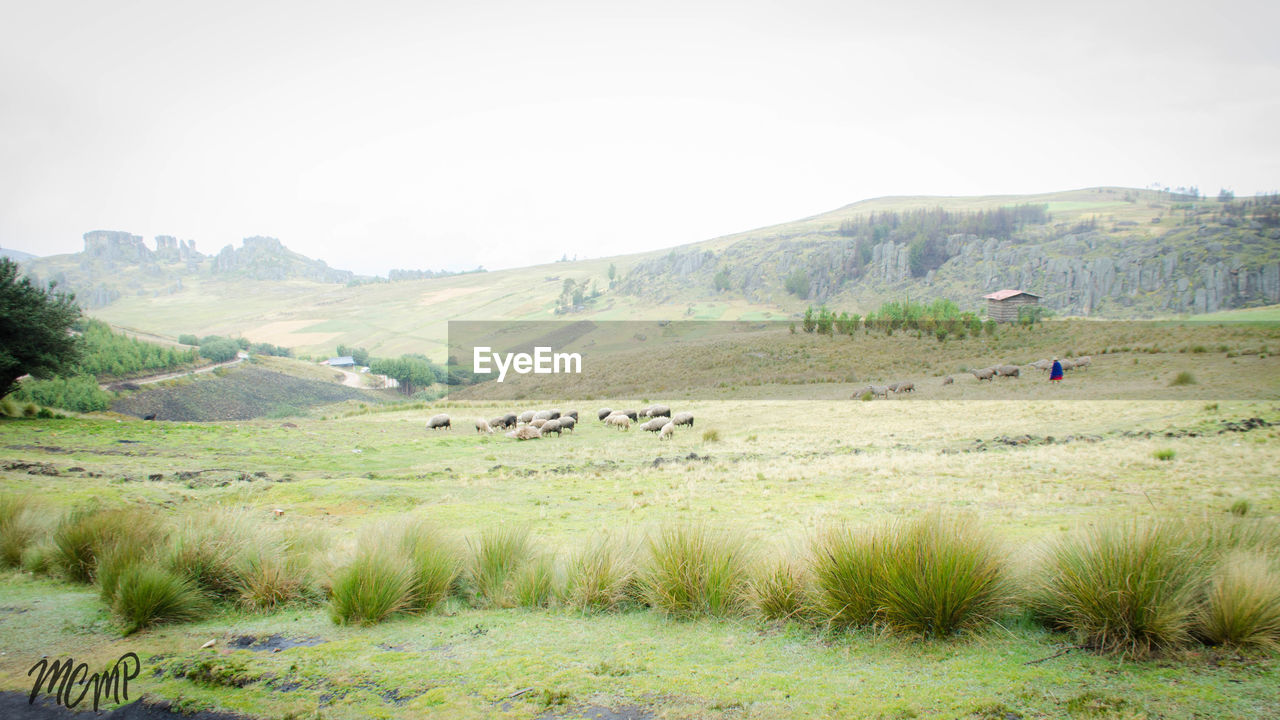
[114,264]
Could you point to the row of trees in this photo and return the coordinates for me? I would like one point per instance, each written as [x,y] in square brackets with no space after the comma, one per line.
[108,354]
[942,318]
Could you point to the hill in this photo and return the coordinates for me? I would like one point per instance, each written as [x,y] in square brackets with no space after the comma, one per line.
[16,255]
[1105,252]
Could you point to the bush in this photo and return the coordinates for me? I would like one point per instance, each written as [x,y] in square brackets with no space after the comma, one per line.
[1163,454]
[1243,604]
[499,552]
[79,393]
[147,595]
[18,528]
[1127,588]
[692,571]
[778,591]
[216,349]
[1183,378]
[1240,508]
[941,574]
[188,339]
[599,577]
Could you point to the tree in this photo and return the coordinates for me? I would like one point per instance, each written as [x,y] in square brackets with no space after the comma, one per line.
[35,328]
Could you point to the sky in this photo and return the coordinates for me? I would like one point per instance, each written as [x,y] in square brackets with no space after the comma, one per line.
[447,135]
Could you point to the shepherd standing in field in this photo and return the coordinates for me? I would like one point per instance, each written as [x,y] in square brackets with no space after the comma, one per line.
[1055,373]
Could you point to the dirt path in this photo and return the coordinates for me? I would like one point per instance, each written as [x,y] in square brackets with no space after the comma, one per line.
[169,376]
[351,379]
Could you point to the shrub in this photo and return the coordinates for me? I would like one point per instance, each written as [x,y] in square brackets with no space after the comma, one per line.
[534,582]
[941,574]
[846,571]
[147,595]
[692,571]
[496,555]
[18,528]
[778,590]
[1242,607]
[1163,454]
[78,392]
[1183,378]
[1126,588]
[1240,508]
[377,583]
[599,577]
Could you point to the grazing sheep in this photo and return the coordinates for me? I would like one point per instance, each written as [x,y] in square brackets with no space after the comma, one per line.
[483,426]
[905,387]
[668,431]
[880,390]
[526,416]
[1007,371]
[539,422]
[1067,364]
[631,414]
[525,432]
[984,373]
[654,411]
[603,413]
[619,420]
[550,426]
[655,424]
[684,418]
[1043,365]
[1082,362]
[509,420]
[948,380]
[555,414]
[439,421]
[149,416]
[567,422]
[542,415]
[572,413]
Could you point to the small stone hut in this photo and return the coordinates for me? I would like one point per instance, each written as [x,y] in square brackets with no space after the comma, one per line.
[1003,306]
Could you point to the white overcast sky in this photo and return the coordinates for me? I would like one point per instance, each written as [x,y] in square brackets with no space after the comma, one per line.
[435,134]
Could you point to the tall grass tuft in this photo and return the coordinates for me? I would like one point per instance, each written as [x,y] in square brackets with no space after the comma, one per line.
[377,583]
[115,561]
[1242,607]
[941,574]
[533,583]
[599,577]
[434,561]
[271,573]
[18,528]
[496,555]
[1126,588]
[847,573]
[778,590]
[208,550]
[692,571]
[146,594]
[1183,378]
[84,534]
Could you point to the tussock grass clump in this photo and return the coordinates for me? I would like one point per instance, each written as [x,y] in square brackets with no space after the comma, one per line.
[84,534]
[712,435]
[1163,454]
[435,563]
[377,583]
[599,577]
[19,528]
[692,571]
[941,574]
[146,594]
[533,583]
[273,572]
[1183,378]
[779,590]
[1126,588]
[1240,507]
[1242,606]
[208,549]
[115,561]
[495,556]
[846,568]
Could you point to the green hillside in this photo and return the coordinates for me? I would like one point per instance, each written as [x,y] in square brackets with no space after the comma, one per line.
[1106,252]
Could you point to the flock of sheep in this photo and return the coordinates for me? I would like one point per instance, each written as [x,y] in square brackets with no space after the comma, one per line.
[534,424]
[986,373]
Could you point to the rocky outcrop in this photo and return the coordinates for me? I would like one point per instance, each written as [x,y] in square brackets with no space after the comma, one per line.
[266,258]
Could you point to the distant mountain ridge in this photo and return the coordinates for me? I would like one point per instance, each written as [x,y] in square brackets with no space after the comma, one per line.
[16,255]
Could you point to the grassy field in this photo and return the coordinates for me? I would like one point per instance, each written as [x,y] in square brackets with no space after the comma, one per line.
[769,469]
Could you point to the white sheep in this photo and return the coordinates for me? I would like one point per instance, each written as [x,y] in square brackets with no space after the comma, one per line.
[668,431]
[483,426]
